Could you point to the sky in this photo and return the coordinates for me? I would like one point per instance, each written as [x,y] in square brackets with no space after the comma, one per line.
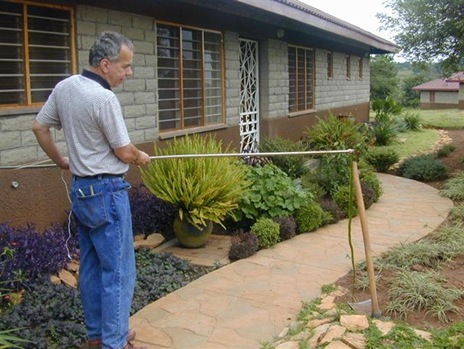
[361,13]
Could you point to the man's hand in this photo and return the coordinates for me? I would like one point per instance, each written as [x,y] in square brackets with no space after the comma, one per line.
[142,158]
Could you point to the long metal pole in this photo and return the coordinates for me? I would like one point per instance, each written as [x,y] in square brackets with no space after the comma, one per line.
[40,164]
[246,155]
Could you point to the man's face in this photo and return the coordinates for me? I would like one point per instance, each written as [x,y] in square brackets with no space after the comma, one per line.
[119,70]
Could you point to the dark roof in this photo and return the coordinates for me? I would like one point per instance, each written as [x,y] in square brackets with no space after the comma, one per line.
[457,77]
[450,84]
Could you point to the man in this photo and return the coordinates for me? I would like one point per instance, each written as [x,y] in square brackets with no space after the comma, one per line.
[100,152]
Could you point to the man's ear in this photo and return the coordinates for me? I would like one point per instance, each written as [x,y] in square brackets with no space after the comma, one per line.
[104,65]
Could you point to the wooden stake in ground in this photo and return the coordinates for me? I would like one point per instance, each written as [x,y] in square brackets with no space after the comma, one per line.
[376,313]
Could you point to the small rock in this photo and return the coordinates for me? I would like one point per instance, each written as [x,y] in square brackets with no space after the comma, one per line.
[424,334]
[55,280]
[335,331]
[337,345]
[384,326]
[354,322]
[327,303]
[318,322]
[354,340]
[67,278]
[288,345]
[152,241]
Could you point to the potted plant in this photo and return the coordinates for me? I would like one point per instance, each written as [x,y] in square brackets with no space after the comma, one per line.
[204,189]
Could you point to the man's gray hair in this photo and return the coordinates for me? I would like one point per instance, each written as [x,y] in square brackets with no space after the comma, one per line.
[108,45]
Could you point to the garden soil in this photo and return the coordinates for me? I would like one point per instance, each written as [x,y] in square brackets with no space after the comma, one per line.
[453,272]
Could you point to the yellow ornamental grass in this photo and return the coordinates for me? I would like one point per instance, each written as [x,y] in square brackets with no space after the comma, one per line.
[203,188]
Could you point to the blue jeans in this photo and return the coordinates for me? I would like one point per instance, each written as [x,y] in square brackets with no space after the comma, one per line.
[107,263]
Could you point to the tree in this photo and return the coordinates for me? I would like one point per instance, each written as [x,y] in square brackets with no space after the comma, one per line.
[384,80]
[428,30]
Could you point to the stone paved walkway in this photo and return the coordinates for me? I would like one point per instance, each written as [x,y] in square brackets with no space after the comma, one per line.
[250,301]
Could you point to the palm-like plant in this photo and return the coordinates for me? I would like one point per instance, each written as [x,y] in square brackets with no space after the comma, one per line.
[203,188]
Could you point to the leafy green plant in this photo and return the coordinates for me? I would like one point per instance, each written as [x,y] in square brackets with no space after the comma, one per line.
[293,166]
[383,132]
[202,188]
[9,340]
[309,217]
[454,187]
[445,150]
[412,120]
[243,244]
[382,158]
[423,168]
[422,291]
[272,193]
[385,109]
[369,178]
[333,133]
[267,231]
[346,199]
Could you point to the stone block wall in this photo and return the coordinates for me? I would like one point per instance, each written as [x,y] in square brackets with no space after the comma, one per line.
[339,91]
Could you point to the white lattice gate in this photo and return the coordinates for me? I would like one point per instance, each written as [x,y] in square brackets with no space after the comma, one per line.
[249,96]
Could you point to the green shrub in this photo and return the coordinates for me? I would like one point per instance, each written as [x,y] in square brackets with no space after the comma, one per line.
[243,244]
[267,231]
[423,168]
[309,217]
[333,171]
[346,200]
[338,134]
[201,188]
[454,187]
[293,166]
[412,121]
[369,177]
[271,194]
[287,227]
[384,132]
[446,150]
[382,158]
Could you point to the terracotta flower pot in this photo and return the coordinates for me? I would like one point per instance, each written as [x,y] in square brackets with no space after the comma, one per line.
[190,236]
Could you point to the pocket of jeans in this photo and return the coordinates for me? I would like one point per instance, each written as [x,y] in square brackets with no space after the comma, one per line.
[90,210]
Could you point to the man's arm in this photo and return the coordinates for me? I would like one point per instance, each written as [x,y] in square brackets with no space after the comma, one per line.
[132,155]
[46,142]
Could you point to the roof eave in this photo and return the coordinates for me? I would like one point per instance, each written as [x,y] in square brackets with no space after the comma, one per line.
[309,16]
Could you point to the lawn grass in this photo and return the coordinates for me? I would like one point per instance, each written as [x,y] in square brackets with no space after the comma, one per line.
[445,118]
[414,142]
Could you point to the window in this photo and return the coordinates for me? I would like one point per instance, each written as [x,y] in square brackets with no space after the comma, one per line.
[301,78]
[36,51]
[360,68]
[348,67]
[329,65]
[190,77]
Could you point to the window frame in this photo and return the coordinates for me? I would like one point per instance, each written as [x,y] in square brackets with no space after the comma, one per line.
[348,67]
[330,74]
[181,99]
[310,88]
[25,48]
[361,68]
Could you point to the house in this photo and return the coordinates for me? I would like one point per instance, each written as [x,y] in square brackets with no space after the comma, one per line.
[445,93]
[238,69]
